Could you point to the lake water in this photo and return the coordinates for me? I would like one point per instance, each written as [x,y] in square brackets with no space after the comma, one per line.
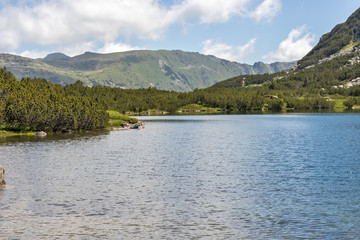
[282,176]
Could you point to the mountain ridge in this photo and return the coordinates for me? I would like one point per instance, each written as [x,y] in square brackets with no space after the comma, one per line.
[164,69]
[55,56]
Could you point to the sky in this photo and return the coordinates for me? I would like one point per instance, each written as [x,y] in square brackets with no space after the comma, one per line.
[244,31]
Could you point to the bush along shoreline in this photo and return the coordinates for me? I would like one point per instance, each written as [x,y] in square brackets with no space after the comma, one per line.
[36,105]
[117,121]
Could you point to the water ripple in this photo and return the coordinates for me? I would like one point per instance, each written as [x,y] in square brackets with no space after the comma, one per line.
[291,176]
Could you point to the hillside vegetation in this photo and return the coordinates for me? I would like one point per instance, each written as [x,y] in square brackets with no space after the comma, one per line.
[343,36]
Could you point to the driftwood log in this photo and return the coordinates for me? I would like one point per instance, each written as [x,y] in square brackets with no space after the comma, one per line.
[2,175]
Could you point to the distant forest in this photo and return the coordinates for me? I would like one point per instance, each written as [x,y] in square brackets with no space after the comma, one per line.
[37,104]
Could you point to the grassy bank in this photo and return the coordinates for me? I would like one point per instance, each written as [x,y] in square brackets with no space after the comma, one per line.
[9,133]
[117,119]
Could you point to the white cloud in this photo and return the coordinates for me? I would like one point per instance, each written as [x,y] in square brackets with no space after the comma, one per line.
[214,11]
[9,40]
[232,53]
[298,43]
[209,11]
[34,54]
[116,47]
[65,22]
[77,48]
[52,23]
[108,19]
[267,10]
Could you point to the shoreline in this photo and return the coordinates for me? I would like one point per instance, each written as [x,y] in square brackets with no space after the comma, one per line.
[140,125]
[126,126]
[5,133]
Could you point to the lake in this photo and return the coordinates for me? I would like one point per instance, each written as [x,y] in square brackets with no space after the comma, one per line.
[280,176]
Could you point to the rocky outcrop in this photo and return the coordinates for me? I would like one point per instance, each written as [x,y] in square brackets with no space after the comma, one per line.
[2,175]
[126,126]
[354,60]
[340,54]
[139,125]
[354,82]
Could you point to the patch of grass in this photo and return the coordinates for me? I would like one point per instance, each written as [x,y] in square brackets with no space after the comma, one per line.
[351,45]
[253,85]
[117,119]
[339,103]
[194,107]
[6,131]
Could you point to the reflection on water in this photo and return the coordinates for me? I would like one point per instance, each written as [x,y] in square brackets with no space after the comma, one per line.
[188,177]
[51,137]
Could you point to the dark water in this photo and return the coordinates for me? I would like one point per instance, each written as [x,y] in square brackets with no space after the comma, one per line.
[286,176]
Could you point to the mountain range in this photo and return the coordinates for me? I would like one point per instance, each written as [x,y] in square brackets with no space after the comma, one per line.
[167,70]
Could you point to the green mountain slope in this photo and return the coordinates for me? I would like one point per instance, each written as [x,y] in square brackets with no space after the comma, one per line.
[341,38]
[168,70]
[27,67]
[334,63]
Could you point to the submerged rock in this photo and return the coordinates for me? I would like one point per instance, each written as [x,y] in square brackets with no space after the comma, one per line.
[2,175]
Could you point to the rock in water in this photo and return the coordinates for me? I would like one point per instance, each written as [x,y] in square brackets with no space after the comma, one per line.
[139,125]
[2,175]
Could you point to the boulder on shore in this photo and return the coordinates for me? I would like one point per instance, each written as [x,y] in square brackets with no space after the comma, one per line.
[126,126]
[41,134]
[138,125]
[2,175]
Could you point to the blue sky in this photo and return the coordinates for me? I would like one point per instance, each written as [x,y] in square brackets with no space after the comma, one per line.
[245,31]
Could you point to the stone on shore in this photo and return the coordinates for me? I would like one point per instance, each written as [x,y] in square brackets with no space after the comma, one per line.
[41,134]
[126,126]
[139,125]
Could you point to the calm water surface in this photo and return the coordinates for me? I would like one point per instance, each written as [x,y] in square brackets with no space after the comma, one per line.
[286,176]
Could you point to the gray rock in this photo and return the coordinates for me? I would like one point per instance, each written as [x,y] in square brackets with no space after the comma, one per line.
[138,125]
[126,126]
[40,134]
[2,175]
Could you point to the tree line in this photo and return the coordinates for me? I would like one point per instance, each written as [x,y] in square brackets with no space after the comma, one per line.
[37,104]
